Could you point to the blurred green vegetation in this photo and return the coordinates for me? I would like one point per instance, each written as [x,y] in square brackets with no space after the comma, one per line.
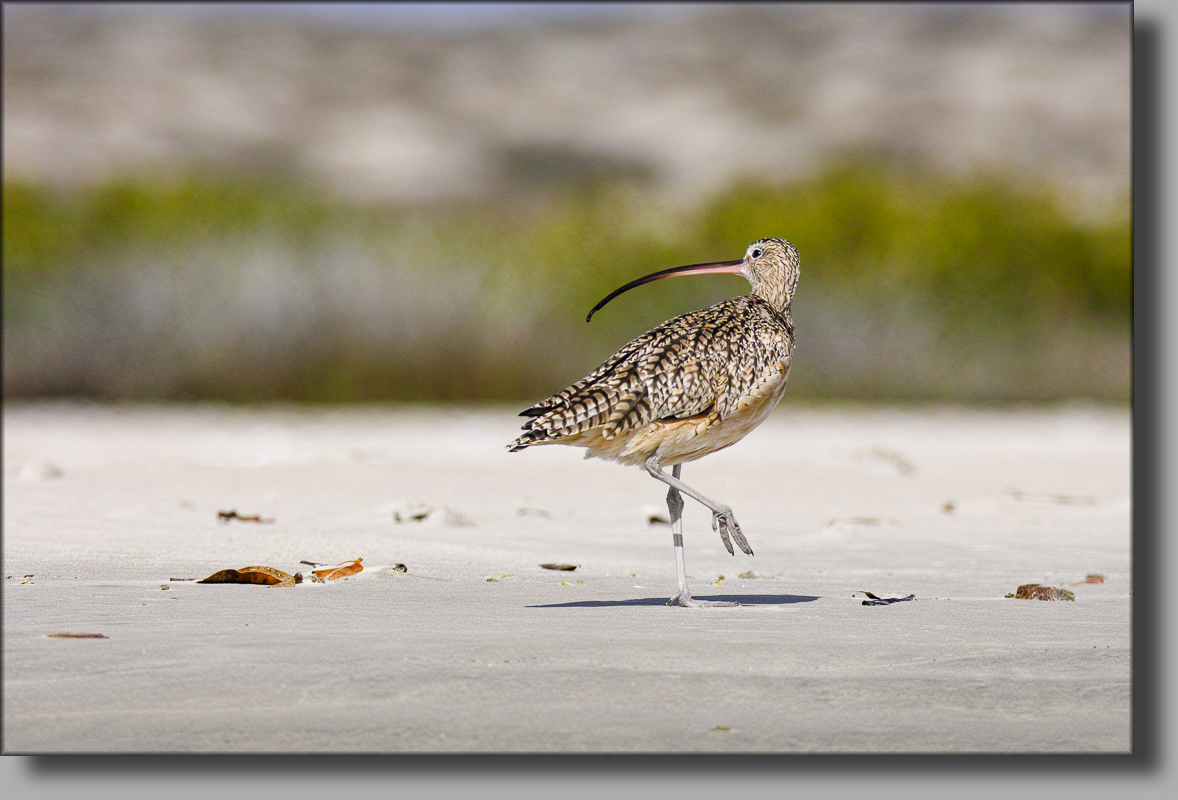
[979,247]
[486,300]
[48,230]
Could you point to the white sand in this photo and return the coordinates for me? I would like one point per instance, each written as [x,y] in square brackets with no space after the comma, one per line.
[104,505]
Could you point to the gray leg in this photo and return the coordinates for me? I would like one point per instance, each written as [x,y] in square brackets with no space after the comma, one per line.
[675,506]
[723,520]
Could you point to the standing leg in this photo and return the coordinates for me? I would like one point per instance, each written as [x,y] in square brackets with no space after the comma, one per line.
[675,506]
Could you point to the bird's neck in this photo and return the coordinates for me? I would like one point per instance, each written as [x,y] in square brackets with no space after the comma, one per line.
[774,294]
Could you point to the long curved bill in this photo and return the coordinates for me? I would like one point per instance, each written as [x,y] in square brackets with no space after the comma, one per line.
[690,269]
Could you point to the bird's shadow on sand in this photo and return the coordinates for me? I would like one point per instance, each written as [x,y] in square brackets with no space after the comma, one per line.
[743,599]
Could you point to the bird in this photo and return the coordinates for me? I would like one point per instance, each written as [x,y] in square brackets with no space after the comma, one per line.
[696,384]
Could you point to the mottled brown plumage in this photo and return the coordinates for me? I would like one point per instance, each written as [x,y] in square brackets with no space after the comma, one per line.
[695,384]
[709,366]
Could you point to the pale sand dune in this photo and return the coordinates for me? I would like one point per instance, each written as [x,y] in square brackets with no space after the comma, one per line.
[104,505]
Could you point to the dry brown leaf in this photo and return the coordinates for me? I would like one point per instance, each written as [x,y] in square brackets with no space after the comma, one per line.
[565,567]
[341,570]
[265,576]
[1035,591]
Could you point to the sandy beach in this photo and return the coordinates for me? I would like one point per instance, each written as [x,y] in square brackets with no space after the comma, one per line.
[476,648]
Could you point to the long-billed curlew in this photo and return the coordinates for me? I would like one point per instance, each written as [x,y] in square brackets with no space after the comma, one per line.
[694,385]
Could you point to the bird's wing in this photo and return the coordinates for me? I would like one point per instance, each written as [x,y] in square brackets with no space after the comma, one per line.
[675,370]
[704,362]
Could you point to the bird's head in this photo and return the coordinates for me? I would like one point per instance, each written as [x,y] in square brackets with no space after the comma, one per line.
[772,266]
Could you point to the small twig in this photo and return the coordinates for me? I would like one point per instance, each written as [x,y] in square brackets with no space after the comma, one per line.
[225,516]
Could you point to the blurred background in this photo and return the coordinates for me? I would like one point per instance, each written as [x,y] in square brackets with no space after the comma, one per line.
[357,203]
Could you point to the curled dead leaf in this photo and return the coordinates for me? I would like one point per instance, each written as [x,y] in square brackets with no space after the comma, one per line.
[341,570]
[263,576]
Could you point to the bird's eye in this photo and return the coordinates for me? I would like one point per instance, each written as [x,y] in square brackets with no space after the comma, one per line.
[756,254]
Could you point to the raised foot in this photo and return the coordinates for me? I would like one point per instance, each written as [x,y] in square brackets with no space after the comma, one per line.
[687,601]
[725,522]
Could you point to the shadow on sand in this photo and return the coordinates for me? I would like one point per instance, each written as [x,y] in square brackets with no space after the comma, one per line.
[743,599]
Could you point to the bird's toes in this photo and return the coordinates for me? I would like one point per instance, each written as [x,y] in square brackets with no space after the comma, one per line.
[723,523]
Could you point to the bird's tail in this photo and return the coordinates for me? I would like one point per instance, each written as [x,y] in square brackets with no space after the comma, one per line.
[528,438]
